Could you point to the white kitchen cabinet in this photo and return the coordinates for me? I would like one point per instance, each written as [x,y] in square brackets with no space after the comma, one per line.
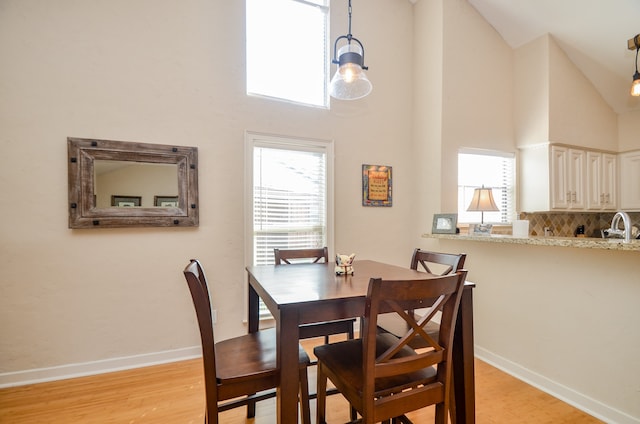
[553,178]
[630,181]
[567,178]
[602,174]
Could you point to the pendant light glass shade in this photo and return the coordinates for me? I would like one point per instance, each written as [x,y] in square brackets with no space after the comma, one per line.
[635,86]
[350,82]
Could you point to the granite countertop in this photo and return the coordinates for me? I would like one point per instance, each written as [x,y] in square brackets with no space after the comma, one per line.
[576,242]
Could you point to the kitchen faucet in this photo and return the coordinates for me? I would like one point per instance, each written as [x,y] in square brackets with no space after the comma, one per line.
[626,221]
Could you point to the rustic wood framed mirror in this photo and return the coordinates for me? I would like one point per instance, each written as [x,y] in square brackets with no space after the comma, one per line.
[129,184]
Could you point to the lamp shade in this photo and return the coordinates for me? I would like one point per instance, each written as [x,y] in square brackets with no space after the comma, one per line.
[482,201]
[350,82]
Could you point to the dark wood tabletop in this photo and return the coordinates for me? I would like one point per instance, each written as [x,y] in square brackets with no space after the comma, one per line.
[307,293]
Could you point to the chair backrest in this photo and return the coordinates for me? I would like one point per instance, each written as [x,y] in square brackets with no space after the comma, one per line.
[437,263]
[400,360]
[284,256]
[197,282]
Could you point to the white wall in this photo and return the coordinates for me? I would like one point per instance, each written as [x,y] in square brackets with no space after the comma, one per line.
[629,131]
[577,112]
[165,72]
[172,72]
[561,318]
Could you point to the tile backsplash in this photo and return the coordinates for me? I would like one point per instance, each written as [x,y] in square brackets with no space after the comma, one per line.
[564,224]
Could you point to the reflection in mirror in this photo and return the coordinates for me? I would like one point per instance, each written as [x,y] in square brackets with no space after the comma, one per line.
[135,184]
[129,184]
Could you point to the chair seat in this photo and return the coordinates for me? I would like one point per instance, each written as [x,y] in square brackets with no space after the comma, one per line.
[345,358]
[250,355]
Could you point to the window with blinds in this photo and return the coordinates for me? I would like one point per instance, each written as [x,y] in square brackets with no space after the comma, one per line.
[491,169]
[291,188]
[289,201]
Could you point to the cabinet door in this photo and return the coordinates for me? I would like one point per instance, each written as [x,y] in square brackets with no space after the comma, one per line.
[630,181]
[568,178]
[560,193]
[595,197]
[577,178]
[601,181]
[609,181]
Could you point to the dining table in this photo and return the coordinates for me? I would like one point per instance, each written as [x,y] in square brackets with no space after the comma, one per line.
[308,293]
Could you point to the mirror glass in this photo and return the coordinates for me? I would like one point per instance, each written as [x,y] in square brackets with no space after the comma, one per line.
[131,184]
[135,184]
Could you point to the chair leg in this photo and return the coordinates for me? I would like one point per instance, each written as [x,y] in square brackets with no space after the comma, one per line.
[305,412]
[452,399]
[321,397]
[441,413]
[251,409]
[354,414]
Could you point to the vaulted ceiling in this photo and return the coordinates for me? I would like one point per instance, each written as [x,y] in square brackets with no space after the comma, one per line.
[593,34]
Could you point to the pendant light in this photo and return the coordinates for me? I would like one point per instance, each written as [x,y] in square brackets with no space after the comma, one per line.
[635,86]
[349,82]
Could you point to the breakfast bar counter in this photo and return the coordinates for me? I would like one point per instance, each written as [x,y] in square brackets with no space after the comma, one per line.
[575,242]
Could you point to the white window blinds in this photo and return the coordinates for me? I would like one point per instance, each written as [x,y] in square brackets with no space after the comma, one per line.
[494,170]
[289,199]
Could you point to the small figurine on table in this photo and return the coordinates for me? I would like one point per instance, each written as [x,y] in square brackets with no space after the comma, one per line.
[344,264]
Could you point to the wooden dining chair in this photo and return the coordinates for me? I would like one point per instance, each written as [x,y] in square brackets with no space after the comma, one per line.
[435,263]
[320,329]
[316,329]
[241,370]
[381,375]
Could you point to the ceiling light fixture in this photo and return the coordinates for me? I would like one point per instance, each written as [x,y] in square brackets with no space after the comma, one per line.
[349,82]
[634,43]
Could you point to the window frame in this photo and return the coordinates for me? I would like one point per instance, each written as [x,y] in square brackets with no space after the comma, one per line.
[257,139]
[322,5]
[509,215]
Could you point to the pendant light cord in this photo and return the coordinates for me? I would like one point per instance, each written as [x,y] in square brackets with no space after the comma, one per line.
[349,36]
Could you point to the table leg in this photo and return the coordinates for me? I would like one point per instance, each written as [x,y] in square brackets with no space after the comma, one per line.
[463,361]
[287,392]
[253,308]
[253,321]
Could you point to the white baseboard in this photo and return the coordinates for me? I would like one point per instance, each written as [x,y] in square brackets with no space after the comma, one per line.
[41,375]
[578,400]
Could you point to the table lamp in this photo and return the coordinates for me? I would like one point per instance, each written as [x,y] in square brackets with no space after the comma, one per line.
[482,202]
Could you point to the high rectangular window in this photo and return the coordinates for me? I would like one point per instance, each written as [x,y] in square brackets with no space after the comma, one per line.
[287,50]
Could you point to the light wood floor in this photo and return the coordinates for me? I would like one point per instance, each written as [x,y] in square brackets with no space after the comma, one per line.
[174,394]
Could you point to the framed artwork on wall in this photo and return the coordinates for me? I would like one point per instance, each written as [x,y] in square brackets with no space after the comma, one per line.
[377,185]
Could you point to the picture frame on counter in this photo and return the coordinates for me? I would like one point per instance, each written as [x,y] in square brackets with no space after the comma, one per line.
[444,223]
[480,229]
